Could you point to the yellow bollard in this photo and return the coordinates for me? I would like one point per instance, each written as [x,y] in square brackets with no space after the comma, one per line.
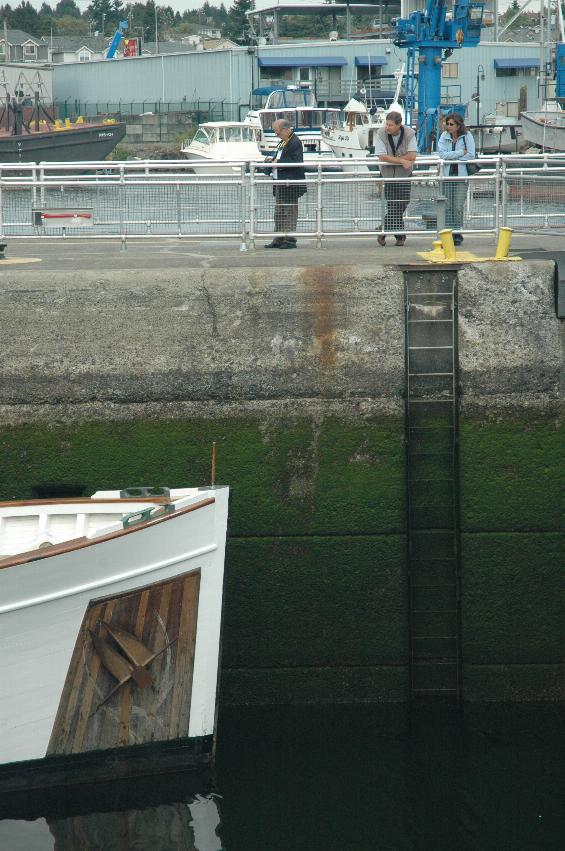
[447,243]
[437,251]
[504,240]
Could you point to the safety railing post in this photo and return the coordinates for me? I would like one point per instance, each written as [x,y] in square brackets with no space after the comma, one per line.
[245,170]
[1,210]
[42,186]
[319,208]
[441,205]
[252,202]
[497,195]
[179,214]
[503,216]
[121,206]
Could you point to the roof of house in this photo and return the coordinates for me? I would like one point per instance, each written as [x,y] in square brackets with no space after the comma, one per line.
[72,43]
[19,37]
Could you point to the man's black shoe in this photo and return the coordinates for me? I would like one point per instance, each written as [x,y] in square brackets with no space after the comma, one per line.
[287,245]
[274,244]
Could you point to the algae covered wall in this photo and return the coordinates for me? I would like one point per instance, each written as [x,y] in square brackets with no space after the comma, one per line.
[299,377]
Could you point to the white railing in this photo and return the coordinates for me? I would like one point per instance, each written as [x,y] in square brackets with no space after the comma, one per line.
[158,199]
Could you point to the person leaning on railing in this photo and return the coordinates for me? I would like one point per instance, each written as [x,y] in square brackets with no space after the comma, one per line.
[289,150]
[455,143]
[396,148]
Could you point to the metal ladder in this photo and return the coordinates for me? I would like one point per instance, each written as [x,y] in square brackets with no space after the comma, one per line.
[432,483]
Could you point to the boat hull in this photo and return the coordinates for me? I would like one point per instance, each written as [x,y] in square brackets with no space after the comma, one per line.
[66,617]
[77,144]
[545,129]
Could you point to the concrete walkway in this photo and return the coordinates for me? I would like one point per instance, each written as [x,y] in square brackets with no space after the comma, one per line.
[106,254]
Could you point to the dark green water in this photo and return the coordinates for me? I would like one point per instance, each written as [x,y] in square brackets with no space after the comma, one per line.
[336,779]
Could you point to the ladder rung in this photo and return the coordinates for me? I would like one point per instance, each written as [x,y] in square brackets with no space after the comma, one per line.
[431,428]
[416,690]
[420,294]
[428,661]
[422,637]
[413,321]
[434,611]
[416,481]
[421,374]
[429,400]
[427,348]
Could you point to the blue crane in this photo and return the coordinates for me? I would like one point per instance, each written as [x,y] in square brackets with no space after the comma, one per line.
[430,37]
[118,36]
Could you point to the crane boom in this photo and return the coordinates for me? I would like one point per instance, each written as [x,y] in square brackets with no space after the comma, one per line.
[118,36]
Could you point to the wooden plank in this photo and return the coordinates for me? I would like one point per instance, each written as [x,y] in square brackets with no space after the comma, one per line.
[163,617]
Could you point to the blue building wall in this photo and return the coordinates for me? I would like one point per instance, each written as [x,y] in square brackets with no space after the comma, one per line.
[230,75]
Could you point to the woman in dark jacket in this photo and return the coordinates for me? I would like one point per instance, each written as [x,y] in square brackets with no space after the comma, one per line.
[289,151]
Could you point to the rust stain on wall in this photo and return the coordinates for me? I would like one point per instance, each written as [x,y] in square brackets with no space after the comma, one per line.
[319,282]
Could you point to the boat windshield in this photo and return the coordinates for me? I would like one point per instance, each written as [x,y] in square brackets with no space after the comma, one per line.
[201,136]
[237,134]
[299,118]
[290,98]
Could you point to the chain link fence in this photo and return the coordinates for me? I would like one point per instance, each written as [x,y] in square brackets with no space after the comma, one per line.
[181,199]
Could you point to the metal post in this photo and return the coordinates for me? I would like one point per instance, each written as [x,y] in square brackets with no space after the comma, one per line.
[1,210]
[441,205]
[245,168]
[252,205]
[122,225]
[319,209]
[179,223]
[503,212]
[497,179]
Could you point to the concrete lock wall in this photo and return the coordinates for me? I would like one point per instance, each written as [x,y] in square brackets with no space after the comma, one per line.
[298,374]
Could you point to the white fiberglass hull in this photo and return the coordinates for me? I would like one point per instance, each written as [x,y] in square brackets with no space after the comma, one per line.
[208,165]
[160,579]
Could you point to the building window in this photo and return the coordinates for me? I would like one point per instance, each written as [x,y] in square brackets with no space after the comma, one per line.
[516,72]
[84,56]
[282,74]
[450,70]
[2,48]
[29,51]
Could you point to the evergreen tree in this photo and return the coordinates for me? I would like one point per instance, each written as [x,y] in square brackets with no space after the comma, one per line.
[66,7]
[25,17]
[237,24]
[46,11]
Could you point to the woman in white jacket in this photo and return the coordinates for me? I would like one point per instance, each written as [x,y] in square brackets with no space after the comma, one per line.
[454,146]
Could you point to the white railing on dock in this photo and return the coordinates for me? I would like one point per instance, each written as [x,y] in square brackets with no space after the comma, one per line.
[165,198]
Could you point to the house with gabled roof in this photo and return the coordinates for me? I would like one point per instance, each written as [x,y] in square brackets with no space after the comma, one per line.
[22,47]
[76,48]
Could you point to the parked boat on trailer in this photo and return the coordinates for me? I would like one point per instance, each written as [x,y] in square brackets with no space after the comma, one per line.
[110,619]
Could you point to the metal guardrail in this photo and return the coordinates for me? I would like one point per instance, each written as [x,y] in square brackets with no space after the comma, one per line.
[158,199]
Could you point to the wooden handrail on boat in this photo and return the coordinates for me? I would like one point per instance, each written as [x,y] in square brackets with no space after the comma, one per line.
[79,543]
[83,500]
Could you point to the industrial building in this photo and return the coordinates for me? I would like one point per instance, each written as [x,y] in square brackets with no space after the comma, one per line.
[333,70]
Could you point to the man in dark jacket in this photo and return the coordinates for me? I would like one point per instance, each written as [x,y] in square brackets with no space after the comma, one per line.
[289,150]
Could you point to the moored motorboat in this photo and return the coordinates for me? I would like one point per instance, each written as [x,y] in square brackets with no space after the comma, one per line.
[351,135]
[546,128]
[217,145]
[297,106]
[110,619]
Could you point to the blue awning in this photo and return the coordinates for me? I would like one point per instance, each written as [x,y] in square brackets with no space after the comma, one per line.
[516,63]
[302,62]
[365,61]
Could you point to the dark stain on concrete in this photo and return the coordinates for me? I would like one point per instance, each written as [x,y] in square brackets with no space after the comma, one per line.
[319,281]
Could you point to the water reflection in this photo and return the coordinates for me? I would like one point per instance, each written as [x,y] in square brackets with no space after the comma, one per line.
[349,779]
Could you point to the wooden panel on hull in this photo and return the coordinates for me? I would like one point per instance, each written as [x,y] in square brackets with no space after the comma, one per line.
[95,711]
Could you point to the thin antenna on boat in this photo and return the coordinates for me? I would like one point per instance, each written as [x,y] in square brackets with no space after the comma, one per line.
[213,471]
